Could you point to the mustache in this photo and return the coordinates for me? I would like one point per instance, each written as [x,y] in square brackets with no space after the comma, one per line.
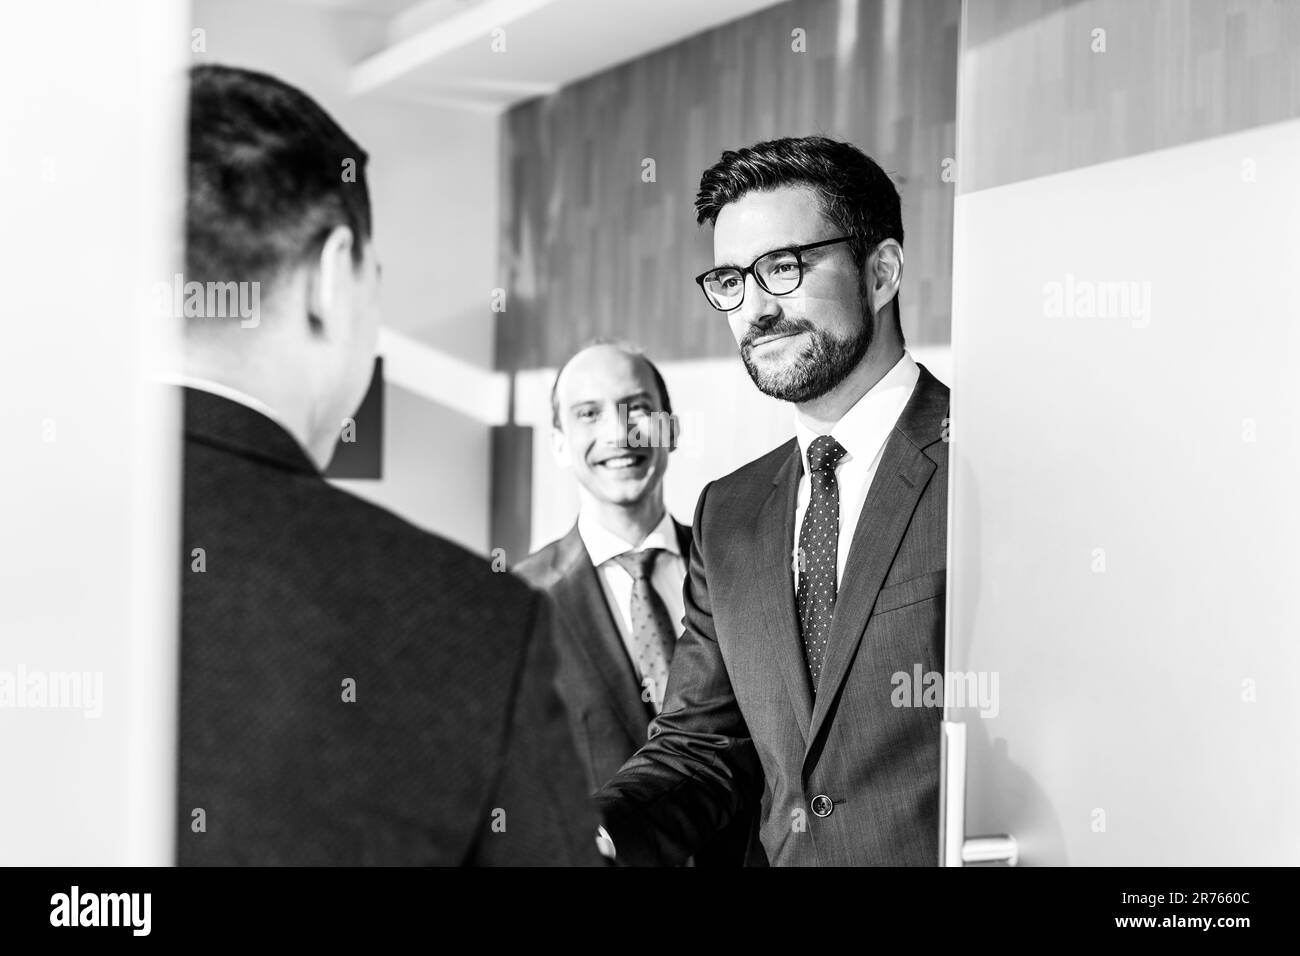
[782,327]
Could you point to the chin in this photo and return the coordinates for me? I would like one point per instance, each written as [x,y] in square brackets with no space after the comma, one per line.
[781,361]
[617,492]
[625,494]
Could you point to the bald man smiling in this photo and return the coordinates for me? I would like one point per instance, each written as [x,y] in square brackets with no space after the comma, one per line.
[616,577]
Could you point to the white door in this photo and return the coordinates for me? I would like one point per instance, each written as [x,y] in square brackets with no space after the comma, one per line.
[1125,524]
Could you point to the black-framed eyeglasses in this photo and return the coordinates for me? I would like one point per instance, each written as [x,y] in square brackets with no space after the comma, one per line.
[779,272]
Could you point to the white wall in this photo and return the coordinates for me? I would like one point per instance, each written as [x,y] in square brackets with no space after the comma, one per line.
[433,183]
[437,478]
[92,99]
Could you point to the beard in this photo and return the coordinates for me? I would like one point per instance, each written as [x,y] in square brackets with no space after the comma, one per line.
[824,362]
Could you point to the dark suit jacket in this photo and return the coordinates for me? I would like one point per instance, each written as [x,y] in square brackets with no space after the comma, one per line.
[455,716]
[597,679]
[741,722]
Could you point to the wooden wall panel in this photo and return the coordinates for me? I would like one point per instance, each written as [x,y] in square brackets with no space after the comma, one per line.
[1040,96]
[590,249]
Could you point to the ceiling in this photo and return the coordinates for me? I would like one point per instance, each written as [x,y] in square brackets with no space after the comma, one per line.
[379,8]
[491,54]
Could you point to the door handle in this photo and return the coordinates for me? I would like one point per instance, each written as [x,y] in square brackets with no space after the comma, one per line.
[954,847]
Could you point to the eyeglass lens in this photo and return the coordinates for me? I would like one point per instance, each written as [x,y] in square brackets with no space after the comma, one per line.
[778,272]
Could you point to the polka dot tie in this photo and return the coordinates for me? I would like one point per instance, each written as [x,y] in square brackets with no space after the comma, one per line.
[653,634]
[819,538]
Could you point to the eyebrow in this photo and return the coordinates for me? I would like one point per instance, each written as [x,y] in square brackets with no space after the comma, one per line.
[816,245]
[621,401]
[732,265]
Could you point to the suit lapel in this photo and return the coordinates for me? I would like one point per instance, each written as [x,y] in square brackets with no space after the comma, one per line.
[774,579]
[586,614]
[900,480]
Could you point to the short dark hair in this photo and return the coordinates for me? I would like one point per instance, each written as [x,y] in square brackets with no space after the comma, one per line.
[266,181]
[856,194]
[630,350]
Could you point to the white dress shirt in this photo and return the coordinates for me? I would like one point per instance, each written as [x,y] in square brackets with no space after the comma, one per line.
[667,579]
[863,431]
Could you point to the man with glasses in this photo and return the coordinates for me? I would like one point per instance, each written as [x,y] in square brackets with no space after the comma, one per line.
[818,571]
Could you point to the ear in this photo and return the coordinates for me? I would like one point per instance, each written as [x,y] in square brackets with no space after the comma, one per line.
[884,274]
[329,283]
[560,447]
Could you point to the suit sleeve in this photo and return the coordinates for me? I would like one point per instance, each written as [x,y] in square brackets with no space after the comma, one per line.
[540,813]
[699,769]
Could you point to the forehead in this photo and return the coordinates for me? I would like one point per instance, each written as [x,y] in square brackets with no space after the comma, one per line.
[763,220]
[603,373]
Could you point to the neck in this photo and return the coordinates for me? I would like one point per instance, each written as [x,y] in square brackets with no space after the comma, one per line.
[631,522]
[822,413]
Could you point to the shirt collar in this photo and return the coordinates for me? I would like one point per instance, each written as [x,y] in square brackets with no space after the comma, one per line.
[602,544]
[864,428]
[224,391]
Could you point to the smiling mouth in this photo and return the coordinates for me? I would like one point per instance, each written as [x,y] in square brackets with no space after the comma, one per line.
[622,462]
[768,339]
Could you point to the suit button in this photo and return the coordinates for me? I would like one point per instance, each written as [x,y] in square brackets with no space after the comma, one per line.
[822,805]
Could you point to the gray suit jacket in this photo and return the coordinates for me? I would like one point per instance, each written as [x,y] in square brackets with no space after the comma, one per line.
[597,680]
[844,777]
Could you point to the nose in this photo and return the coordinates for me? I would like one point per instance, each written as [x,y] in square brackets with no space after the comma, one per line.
[759,308]
[612,430]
